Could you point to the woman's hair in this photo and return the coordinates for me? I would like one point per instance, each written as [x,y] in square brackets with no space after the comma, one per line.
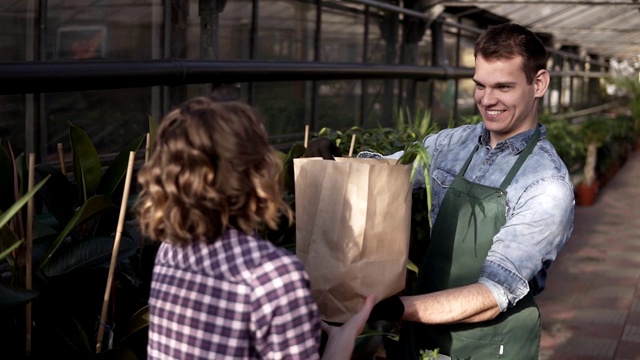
[212,168]
[507,41]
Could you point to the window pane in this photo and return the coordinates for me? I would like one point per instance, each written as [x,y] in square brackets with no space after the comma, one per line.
[384,35]
[286,30]
[103,30]
[12,129]
[13,25]
[466,102]
[235,30]
[442,107]
[283,107]
[111,118]
[338,104]
[342,35]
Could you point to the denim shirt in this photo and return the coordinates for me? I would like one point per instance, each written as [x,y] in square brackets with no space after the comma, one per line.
[539,203]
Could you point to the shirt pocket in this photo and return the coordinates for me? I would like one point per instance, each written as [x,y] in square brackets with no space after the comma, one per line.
[441,181]
[443,177]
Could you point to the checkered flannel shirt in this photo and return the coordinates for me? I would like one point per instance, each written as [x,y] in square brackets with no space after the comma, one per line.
[238,298]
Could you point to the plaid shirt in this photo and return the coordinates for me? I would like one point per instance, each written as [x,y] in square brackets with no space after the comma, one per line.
[238,298]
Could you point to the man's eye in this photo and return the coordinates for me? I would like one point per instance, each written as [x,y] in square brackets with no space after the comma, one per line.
[479,87]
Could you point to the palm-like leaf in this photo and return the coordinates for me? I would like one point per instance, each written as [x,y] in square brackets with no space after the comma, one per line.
[139,321]
[9,242]
[58,194]
[86,163]
[417,154]
[89,254]
[12,297]
[114,175]
[90,209]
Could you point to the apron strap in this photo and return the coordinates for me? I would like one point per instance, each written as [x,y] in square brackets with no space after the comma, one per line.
[523,156]
[466,164]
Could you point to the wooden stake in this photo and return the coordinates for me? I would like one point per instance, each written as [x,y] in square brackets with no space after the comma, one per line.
[29,249]
[114,252]
[147,149]
[353,143]
[306,136]
[61,157]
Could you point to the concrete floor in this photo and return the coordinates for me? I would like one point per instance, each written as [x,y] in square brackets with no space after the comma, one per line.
[591,307]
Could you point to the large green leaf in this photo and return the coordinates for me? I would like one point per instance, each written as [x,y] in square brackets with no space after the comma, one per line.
[14,244]
[58,194]
[89,254]
[68,330]
[90,209]
[6,216]
[118,169]
[12,297]
[86,163]
[139,321]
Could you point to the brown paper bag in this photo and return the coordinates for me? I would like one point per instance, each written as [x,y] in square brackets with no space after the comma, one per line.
[353,220]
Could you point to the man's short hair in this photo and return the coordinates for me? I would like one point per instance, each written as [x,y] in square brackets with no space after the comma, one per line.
[507,41]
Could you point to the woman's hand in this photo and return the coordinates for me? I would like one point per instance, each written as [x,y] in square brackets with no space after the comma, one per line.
[342,339]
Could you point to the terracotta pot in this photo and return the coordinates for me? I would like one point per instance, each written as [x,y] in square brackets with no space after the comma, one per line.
[586,195]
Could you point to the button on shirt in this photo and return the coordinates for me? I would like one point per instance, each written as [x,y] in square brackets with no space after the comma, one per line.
[539,200]
[240,297]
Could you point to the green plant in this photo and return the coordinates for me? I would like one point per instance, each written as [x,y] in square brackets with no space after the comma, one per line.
[429,354]
[595,131]
[630,89]
[416,154]
[416,126]
[567,140]
[72,248]
[471,119]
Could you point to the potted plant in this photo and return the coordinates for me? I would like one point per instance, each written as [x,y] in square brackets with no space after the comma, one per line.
[595,132]
[567,140]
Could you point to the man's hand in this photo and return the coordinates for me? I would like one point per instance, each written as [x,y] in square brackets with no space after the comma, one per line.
[390,309]
[322,147]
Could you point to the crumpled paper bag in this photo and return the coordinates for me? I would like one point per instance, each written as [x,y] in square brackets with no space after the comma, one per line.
[353,220]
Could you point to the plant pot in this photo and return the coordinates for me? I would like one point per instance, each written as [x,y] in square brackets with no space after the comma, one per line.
[586,194]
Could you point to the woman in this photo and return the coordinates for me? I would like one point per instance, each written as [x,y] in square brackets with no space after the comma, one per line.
[218,290]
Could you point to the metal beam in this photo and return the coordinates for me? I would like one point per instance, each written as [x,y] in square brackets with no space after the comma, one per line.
[60,76]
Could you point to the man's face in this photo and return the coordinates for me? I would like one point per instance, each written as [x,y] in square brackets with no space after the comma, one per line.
[505,99]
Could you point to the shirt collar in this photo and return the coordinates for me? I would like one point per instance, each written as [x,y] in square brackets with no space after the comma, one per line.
[516,143]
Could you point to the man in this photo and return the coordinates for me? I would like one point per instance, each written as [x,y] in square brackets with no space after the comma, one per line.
[502,206]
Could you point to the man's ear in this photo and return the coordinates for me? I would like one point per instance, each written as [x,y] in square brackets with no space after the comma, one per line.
[541,83]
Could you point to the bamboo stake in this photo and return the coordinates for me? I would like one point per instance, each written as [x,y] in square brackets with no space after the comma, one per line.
[306,136]
[353,143]
[29,250]
[147,149]
[114,252]
[61,157]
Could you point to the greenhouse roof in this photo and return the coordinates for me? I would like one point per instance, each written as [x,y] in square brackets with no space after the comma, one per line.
[608,28]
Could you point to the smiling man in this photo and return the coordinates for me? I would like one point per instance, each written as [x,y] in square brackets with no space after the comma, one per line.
[502,206]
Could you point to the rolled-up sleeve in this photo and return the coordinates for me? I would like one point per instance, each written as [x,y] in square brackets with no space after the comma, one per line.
[536,228]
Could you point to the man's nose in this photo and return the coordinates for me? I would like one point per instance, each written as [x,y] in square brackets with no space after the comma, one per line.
[487,97]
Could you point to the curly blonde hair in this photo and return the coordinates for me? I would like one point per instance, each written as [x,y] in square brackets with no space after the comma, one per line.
[212,168]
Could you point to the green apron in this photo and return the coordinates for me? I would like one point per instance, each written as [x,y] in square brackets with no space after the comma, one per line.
[470,216]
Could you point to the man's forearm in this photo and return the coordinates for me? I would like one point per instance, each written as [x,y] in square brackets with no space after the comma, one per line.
[471,303]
